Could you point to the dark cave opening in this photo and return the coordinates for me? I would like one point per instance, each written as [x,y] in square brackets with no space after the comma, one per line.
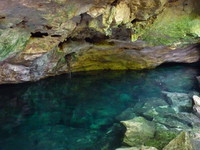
[38,34]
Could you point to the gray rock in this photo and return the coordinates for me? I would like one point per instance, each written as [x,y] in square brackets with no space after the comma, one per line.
[187,118]
[180,102]
[165,115]
[195,138]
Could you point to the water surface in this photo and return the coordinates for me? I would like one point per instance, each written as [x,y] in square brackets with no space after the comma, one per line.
[82,113]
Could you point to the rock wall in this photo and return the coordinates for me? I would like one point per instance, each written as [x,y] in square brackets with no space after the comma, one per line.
[40,38]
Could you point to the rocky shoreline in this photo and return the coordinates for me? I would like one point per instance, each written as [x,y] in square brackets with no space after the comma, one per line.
[171,123]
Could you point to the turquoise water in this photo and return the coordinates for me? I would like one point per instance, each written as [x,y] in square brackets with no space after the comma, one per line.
[82,113]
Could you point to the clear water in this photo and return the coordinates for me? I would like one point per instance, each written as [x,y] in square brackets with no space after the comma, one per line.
[81,113]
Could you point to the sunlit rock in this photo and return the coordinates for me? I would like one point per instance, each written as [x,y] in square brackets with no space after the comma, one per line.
[196,106]
[138,130]
[181,142]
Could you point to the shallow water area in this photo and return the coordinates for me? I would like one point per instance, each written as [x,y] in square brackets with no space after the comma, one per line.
[84,112]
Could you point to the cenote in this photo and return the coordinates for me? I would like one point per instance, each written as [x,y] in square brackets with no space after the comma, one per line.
[84,112]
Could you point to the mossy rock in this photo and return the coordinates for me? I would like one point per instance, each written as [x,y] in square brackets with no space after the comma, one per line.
[174,28]
[161,139]
[138,130]
[12,41]
[181,142]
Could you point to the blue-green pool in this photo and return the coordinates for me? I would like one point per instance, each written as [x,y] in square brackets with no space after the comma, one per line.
[82,113]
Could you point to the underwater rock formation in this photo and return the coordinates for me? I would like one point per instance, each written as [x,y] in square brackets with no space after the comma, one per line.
[169,117]
[179,101]
[37,35]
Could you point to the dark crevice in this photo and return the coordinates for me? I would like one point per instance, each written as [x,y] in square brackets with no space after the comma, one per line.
[89,40]
[171,1]
[38,34]
[96,39]
[115,3]
[55,35]
[61,44]
[2,17]
[135,20]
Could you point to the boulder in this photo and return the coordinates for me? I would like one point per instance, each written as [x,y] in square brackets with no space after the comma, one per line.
[181,142]
[138,130]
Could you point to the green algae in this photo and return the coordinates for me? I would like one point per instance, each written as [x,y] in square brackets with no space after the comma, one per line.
[12,41]
[161,139]
[172,28]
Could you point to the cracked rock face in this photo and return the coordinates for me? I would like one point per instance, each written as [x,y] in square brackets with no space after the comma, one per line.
[40,38]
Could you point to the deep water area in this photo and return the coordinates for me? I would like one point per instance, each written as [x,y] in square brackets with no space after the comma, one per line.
[83,112]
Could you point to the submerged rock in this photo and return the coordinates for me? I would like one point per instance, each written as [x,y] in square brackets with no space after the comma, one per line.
[127,114]
[179,101]
[138,130]
[181,142]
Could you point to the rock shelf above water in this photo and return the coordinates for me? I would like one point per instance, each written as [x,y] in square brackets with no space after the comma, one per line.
[35,36]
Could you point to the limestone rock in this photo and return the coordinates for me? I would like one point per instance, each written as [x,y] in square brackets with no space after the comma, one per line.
[138,130]
[196,100]
[181,142]
[122,13]
[196,106]
[35,36]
